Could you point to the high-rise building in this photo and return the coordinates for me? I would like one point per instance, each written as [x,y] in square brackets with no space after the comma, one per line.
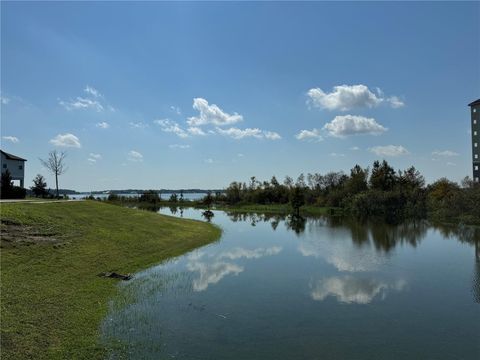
[475,115]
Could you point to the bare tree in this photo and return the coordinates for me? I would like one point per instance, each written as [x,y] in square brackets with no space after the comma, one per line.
[55,164]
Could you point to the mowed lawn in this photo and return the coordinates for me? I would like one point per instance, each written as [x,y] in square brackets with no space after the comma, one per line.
[52,301]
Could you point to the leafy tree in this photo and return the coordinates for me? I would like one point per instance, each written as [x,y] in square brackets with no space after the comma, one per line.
[208,200]
[56,165]
[7,185]
[39,187]
[173,198]
[383,176]
[297,199]
[150,196]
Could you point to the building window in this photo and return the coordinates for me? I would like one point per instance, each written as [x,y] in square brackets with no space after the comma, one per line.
[476,167]
[476,156]
[475,133]
[474,121]
[475,144]
[4,166]
[474,110]
[20,167]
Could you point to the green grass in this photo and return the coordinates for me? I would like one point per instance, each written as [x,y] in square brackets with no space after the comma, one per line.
[52,301]
[280,209]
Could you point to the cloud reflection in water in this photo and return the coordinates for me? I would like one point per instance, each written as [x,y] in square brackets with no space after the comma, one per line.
[350,290]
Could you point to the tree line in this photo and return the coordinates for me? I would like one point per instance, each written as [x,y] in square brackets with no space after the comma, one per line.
[376,191]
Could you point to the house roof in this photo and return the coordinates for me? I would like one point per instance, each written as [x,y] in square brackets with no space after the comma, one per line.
[473,103]
[12,157]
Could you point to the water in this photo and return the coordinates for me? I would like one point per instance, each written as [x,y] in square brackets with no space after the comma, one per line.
[320,289]
[166,196]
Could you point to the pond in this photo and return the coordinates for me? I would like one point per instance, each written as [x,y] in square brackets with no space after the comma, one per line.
[322,288]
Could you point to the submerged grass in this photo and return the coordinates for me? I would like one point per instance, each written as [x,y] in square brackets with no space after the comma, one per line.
[52,301]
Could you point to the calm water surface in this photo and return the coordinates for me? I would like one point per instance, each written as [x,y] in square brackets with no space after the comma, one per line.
[322,289]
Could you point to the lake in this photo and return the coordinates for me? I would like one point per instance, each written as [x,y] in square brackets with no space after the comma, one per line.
[323,288]
[163,196]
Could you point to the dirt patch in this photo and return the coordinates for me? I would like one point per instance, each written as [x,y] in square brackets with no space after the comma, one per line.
[13,234]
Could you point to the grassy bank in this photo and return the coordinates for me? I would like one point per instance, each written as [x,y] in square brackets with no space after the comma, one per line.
[52,301]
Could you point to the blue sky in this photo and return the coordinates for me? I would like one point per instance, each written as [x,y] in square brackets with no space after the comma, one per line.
[196,95]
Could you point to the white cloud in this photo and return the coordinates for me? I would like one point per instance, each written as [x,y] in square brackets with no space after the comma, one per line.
[395,102]
[237,134]
[209,161]
[446,153]
[451,164]
[4,100]
[135,156]
[179,146]
[240,155]
[12,139]
[82,103]
[211,114]
[345,125]
[172,127]
[354,148]
[93,158]
[346,97]
[310,135]
[92,91]
[66,140]
[333,154]
[138,125]
[92,100]
[194,130]
[102,125]
[389,150]
[272,135]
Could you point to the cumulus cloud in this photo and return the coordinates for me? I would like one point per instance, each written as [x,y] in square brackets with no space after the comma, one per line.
[135,156]
[309,135]
[209,161]
[93,158]
[354,148]
[237,134]
[12,139]
[66,140]
[170,126]
[272,135]
[211,114]
[194,130]
[102,125]
[346,97]
[179,146]
[446,153]
[389,150]
[345,125]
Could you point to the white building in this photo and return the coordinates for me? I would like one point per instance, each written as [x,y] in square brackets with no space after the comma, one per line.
[14,164]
